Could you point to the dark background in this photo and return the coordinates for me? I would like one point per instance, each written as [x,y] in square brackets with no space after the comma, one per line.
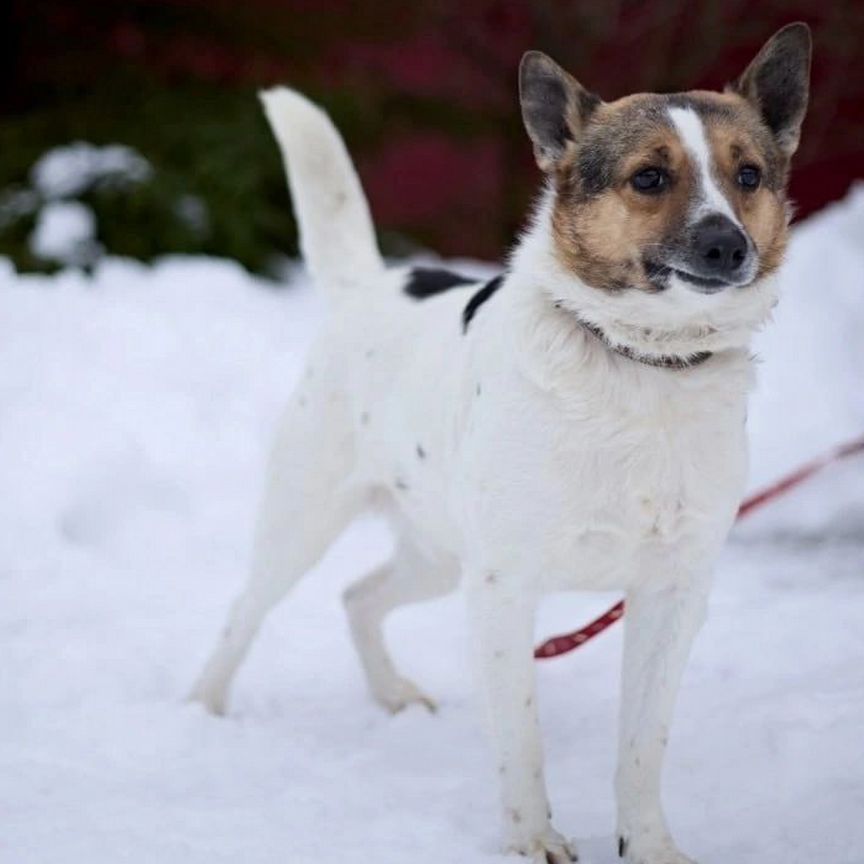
[424,93]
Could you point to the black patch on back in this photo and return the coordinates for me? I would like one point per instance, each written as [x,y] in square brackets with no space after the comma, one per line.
[478,299]
[426,282]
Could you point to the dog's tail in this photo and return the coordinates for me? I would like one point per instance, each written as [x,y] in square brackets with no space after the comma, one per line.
[337,237]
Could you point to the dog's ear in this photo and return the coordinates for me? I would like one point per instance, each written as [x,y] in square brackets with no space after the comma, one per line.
[777,83]
[555,107]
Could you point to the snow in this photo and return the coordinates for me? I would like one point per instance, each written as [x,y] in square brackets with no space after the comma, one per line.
[136,409]
[811,393]
[73,168]
[65,231]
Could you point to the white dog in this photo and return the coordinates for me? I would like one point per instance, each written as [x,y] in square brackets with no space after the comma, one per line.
[577,423]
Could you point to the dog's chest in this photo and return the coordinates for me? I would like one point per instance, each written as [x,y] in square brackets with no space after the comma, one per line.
[600,488]
[643,486]
[651,484]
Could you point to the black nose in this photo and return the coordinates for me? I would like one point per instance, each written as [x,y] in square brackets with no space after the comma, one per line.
[720,246]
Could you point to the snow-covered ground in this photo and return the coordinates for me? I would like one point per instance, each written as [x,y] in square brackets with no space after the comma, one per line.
[135,412]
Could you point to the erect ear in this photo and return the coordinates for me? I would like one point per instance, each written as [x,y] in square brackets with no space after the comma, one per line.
[777,83]
[555,107]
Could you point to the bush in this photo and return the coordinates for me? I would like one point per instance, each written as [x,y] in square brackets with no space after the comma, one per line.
[216,185]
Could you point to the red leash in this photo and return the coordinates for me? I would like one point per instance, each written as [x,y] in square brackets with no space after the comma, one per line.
[566,642]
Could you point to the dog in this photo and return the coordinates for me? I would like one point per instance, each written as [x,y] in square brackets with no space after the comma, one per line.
[575,423]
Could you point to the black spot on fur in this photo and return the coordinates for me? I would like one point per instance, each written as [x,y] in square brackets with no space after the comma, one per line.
[421,453]
[658,274]
[426,282]
[622,847]
[588,104]
[478,299]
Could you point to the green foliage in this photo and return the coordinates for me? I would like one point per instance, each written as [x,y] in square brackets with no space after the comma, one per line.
[206,146]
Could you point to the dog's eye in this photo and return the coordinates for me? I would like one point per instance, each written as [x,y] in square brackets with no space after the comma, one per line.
[649,181]
[749,177]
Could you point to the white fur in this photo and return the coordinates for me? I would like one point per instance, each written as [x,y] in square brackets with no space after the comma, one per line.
[334,216]
[691,131]
[523,455]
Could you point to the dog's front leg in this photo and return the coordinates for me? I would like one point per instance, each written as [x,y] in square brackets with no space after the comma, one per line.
[501,616]
[661,623]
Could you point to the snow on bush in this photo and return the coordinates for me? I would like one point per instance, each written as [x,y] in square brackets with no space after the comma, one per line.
[65,232]
[74,168]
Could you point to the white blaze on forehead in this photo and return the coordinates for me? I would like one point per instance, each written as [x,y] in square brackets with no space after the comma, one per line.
[691,131]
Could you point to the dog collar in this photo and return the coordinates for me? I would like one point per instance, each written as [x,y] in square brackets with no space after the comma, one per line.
[662,361]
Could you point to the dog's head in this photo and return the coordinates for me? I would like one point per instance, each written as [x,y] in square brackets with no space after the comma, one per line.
[672,208]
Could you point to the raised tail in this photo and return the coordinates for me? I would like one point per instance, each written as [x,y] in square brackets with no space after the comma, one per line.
[336,233]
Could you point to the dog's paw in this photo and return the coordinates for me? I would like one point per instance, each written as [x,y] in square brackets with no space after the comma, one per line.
[549,848]
[662,852]
[399,694]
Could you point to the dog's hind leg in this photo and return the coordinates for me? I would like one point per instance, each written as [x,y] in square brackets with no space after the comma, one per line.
[410,577]
[307,502]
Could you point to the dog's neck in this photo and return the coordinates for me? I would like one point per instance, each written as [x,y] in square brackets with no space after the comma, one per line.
[660,361]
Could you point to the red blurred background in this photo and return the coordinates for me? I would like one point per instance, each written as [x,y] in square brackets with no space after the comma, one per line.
[426,93]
